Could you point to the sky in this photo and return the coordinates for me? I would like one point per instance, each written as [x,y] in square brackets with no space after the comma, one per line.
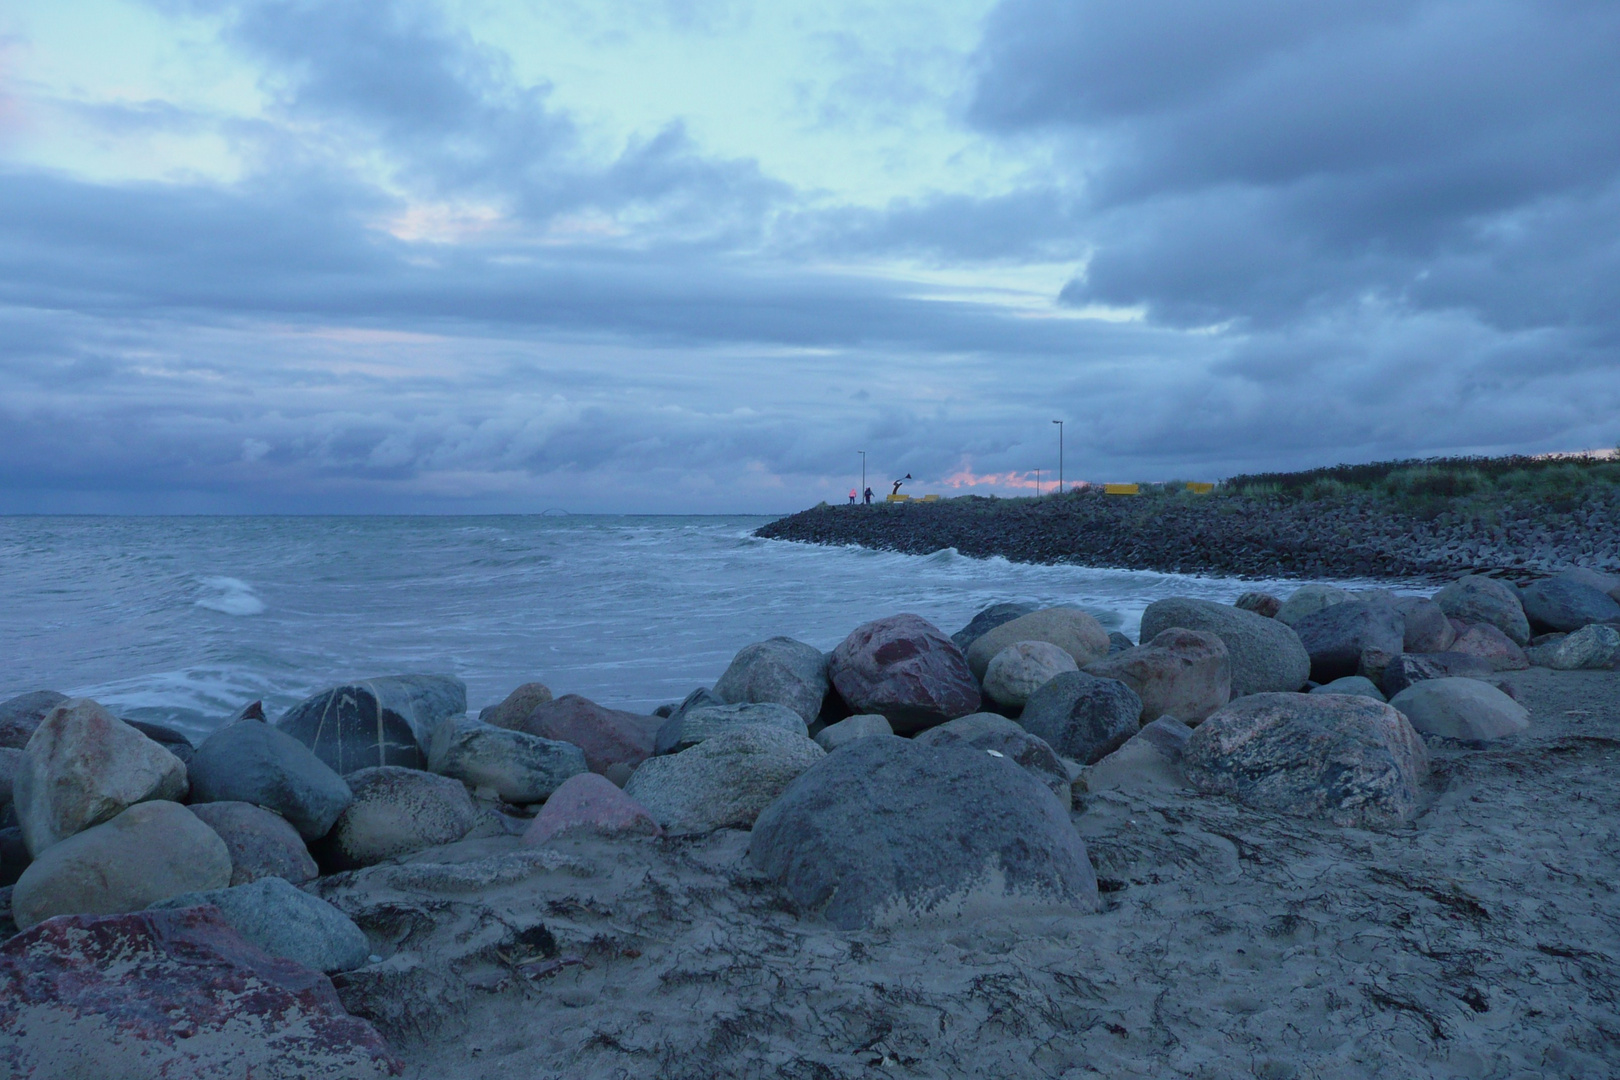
[695,256]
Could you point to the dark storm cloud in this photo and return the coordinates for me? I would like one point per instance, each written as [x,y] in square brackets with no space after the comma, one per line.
[1260,160]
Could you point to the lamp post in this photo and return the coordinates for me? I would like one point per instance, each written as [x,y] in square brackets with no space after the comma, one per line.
[1037,483]
[1059,423]
[863,472]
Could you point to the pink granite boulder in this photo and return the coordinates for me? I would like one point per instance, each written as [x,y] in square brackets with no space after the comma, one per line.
[906,669]
[1492,646]
[592,805]
[609,737]
[261,844]
[171,993]
[1186,674]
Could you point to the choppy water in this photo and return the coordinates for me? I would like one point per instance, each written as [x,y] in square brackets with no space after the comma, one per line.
[184,620]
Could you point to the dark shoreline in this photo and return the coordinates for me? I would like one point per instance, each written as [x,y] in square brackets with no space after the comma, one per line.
[1234,535]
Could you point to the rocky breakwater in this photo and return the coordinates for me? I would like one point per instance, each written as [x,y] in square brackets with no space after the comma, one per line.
[1232,534]
[298,893]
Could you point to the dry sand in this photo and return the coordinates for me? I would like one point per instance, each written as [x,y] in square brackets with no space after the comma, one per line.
[1483,941]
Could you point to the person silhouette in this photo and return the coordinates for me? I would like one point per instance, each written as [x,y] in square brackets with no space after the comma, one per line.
[852,496]
[868,496]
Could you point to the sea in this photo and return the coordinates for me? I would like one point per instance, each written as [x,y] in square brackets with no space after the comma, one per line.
[183,620]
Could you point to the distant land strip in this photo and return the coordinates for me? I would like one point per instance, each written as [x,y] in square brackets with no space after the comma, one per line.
[1430,520]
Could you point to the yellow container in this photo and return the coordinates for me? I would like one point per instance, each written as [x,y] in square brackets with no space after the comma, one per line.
[897,498]
[1122,489]
[1199,488]
[930,498]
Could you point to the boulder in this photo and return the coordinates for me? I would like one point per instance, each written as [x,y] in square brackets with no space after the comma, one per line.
[1350,760]
[1261,603]
[1070,629]
[1336,636]
[1464,709]
[608,737]
[285,921]
[1118,642]
[1022,668]
[253,710]
[888,831]
[516,706]
[1149,759]
[724,781]
[1373,664]
[252,762]
[1596,579]
[1492,646]
[1357,685]
[1266,654]
[851,728]
[151,851]
[19,716]
[1565,604]
[1425,627]
[780,671]
[986,621]
[1476,599]
[590,805]
[351,727]
[14,859]
[1408,669]
[261,844]
[171,994]
[688,728]
[83,766]
[175,742]
[517,766]
[1081,716]
[1182,673]
[10,761]
[1308,600]
[1004,738]
[903,667]
[396,811]
[1588,648]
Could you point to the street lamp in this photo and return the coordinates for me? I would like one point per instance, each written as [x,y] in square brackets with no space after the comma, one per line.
[1059,423]
[863,472]
[1037,483]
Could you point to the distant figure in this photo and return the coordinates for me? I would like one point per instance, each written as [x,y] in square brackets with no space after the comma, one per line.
[898,482]
[852,496]
[868,496]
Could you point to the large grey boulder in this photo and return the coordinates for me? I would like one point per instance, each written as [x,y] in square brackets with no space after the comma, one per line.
[1350,760]
[1476,599]
[905,668]
[515,708]
[1464,709]
[688,728]
[250,761]
[986,621]
[1336,636]
[1023,668]
[261,844]
[1149,759]
[150,851]
[1000,737]
[1182,673]
[1308,600]
[1266,654]
[389,720]
[1589,648]
[1608,584]
[1561,604]
[287,922]
[1358,685]
[10,761]
[847,730]
[19,716]
[724,781]
[396,811]
[779,671]
[83,766]
[1425,627]
[1082,716]
[1074,631]
[887,831]
[1407,669]
[517,766]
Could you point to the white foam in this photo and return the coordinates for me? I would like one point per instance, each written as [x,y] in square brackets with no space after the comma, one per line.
[230,596]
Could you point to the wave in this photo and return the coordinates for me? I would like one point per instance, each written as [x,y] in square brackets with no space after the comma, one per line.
[230,596]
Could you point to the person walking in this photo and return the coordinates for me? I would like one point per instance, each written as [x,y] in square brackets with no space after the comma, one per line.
[868,496]
[852,496]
